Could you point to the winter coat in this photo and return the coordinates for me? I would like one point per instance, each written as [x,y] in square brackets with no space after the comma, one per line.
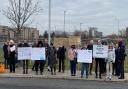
[61,52]
[71,54]
[12,54]
[52,56]
[111,55]
[6,51]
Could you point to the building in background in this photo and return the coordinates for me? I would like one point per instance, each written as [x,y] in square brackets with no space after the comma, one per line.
[30,33]
[26,33]
[93,32]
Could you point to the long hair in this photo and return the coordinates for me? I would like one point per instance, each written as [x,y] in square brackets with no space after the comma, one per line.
[40,44]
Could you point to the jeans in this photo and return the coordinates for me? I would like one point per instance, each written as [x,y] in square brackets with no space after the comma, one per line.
[84,66]
[109,70]
[73,68]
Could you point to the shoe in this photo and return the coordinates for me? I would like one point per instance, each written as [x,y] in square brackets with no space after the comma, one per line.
[36,72]
[100,77]
[121,78]
[54,73]
[72,75]
[81,76]
[110,78]
[96,77]
[51,73]
[41,73]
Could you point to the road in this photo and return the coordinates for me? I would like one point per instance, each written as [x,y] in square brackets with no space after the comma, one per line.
[36,83]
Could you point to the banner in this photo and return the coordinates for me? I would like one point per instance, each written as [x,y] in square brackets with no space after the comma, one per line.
[24,53]
[100,51]
[31,53]
[84,56]
[38,54]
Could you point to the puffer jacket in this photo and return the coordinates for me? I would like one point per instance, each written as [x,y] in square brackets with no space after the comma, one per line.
[71,54]
[111,55]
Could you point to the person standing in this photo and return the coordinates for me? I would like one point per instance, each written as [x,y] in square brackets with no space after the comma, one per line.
[6,54]
[47,47]
[121,58]
[61,56]
[34,45]
[39,64]
[25,61]
[85,66]
[98,64]
[53,60]
[90,47]
[12,57]
[71,56]
[110,61]
[117,54]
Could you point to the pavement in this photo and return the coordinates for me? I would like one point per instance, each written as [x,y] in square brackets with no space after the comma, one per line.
[34,83]
[66,76]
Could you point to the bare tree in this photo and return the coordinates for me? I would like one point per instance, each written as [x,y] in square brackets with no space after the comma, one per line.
[19,13]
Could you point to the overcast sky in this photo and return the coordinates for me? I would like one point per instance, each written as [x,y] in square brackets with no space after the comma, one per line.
[102,14]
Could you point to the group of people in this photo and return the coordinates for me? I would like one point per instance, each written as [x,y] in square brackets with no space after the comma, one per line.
[53,56]
[113,65]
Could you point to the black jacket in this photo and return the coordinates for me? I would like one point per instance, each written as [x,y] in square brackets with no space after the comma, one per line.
[6,51]
[61,52]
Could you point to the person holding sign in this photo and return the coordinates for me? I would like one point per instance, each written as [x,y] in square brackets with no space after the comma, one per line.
[110,60]
[84,66]
[71,56]
[98,62]
[12,59]
[39,63]
[26,61]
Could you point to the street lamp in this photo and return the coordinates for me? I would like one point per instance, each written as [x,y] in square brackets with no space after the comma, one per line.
[49,25]
[80,26]
[64,21]
[118,24]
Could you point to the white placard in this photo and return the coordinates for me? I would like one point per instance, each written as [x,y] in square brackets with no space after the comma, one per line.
[38,54]
[100,51]
[24,53]
[84,56]
[13,48]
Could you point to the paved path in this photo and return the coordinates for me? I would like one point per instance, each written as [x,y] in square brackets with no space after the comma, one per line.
[32,83]
[65,75]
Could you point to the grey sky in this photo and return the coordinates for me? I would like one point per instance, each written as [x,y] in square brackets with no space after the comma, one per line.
[98,13]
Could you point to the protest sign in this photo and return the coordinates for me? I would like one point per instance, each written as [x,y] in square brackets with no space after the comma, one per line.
[38,54]
[24,53]
[84,56]
[100,51]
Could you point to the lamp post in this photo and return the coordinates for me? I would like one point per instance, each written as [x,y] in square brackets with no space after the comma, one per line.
[80,26]
[49,25]
[64,22]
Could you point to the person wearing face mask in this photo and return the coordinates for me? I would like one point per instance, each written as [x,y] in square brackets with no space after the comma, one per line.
[61,56]
[98,65]
[90,47]
[109,61]
[84,66]
[71,56]
[26,61]
[39,64]
[12,52]
[6,54]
